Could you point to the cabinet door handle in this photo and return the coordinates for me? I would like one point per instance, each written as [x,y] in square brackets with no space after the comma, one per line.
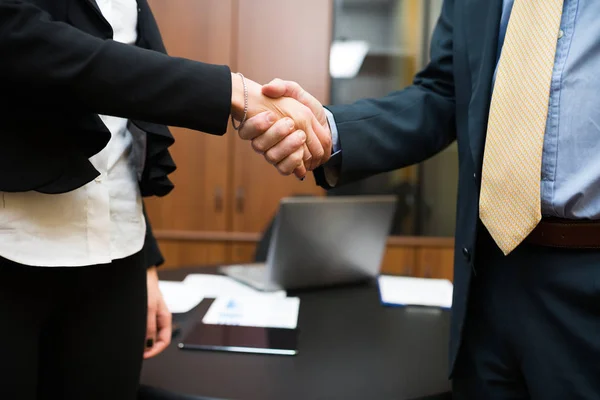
[218,199]
[240,200]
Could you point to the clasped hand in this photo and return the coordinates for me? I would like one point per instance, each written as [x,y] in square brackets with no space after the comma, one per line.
[287,126]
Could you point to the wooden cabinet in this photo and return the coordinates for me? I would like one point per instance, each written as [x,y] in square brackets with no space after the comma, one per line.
[182,253]
[420,257]
[399,260]
[242,253]
[435,262]
[200,30]
[275,41]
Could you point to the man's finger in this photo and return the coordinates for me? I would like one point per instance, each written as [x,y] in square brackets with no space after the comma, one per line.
[300,172]
[307,155]
[279,88]
[324,137]
[275,89]
[275,134]
[257,125]
[293,164]
[314,147]
[286,147]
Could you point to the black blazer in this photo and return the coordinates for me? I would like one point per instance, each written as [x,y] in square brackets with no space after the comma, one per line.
[60,69]
[449,100]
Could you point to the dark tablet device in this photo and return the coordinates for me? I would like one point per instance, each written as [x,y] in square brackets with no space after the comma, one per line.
[242,339]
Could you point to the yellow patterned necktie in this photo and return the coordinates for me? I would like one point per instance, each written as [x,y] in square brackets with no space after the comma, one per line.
[510,204]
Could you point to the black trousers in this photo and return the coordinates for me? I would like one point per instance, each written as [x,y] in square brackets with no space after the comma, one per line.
[72,333]
[533,325]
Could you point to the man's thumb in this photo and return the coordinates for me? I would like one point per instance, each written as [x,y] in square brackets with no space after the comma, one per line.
[274,89]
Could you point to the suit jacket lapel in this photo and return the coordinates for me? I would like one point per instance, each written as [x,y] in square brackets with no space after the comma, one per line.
[482,26]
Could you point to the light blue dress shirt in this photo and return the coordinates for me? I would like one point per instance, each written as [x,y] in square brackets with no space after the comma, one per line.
[570,179]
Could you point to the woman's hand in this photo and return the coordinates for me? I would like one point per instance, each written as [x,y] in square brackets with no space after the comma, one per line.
[158,330]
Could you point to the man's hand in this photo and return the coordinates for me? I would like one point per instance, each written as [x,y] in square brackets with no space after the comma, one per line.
[158,330]
[279,88]
[297,140]
[275,139]
[283,146]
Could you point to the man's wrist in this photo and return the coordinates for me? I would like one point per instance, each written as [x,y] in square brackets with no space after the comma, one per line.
[335,139]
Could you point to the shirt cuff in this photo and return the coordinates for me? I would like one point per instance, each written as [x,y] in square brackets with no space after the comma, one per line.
[333,166]
[335,137]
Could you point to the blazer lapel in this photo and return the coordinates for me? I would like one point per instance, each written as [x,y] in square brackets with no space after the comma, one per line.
[95,5]
[482,28]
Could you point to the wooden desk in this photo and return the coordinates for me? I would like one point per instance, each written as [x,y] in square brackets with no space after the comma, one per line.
[350,348]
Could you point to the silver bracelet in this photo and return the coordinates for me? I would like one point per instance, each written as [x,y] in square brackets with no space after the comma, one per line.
[237,128]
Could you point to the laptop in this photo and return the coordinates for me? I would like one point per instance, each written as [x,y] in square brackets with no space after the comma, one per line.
[322,241]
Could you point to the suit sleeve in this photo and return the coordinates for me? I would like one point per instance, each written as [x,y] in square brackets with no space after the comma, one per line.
[152,254]
[405,127]
[50,59]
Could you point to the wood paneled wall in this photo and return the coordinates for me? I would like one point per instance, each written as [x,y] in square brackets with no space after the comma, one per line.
[201,30]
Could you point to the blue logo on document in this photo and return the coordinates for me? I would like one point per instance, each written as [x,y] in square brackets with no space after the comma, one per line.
[231,305]
[231,314]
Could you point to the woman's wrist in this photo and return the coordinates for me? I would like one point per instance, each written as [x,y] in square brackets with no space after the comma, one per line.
[152,272]
[237,97]
[252,98]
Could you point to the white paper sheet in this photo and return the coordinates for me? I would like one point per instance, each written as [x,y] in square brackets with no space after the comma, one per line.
[399,290]
[213,286]
[179,298]
[266,312]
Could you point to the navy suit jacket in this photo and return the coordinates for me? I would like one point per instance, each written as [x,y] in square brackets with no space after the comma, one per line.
[449,100]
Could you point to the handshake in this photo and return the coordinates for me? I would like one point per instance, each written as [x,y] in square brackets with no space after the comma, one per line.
[284,123]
